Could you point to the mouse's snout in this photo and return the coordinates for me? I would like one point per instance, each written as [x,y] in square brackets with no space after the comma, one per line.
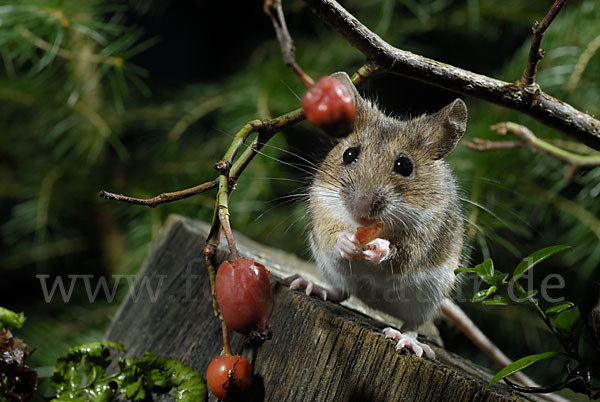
[366,207]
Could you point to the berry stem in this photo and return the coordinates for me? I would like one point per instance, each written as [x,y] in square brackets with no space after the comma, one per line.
[212,242]
[226,344]
[224,218]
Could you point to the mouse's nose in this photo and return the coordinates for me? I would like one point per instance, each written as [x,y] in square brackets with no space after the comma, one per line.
[367,205]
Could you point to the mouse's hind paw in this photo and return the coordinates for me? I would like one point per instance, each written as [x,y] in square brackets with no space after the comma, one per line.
[409,340]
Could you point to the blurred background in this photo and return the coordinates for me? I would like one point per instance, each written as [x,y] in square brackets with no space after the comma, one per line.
[142,97]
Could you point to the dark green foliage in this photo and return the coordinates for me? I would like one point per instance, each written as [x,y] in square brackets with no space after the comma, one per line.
[563,319]
[136,378]
[80,375]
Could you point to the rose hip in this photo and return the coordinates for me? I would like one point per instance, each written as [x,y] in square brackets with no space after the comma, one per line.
[245,298]
[229,376]
[329,105]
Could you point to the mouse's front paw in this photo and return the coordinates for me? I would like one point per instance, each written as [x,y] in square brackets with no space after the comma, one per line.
[377,250]
[348,245]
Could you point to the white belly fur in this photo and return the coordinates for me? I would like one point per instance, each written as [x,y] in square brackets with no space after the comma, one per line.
[409,297]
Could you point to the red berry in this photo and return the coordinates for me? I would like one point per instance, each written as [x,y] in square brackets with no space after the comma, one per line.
[245,298]
[329,105]
[229,376]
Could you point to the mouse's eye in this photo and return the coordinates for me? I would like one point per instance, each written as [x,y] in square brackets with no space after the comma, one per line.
[350,155]
[403,165]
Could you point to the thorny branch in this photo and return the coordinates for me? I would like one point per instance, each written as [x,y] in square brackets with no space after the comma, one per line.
[517,96]
[535,53]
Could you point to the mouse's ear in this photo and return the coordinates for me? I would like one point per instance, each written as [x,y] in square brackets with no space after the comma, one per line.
[451,123]
[344,78]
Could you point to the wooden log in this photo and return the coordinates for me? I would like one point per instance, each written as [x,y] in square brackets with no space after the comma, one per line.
[320,351]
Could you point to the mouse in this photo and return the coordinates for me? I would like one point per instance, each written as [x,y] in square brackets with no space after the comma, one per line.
[391,171]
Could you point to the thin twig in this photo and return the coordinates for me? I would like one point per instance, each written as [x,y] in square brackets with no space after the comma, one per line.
[535,53]
[541,106]
[274,9]
[161,198]
[224,219]
[209,251]
[527,138]
[477,144]
[222,206]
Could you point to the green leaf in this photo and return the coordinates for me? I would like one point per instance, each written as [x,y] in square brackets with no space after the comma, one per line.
[500,300]
[95,349]
[70,397]
[11,319]
[520,364]
[93,358]
[484,294]
[65,378]
[459,270]
[485,269]
[497,279]
[101,393]
[153,369]
[559,307]
[531,260]
[486,272]
[568,325]
[529,295]
[135,390]
[190,385]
